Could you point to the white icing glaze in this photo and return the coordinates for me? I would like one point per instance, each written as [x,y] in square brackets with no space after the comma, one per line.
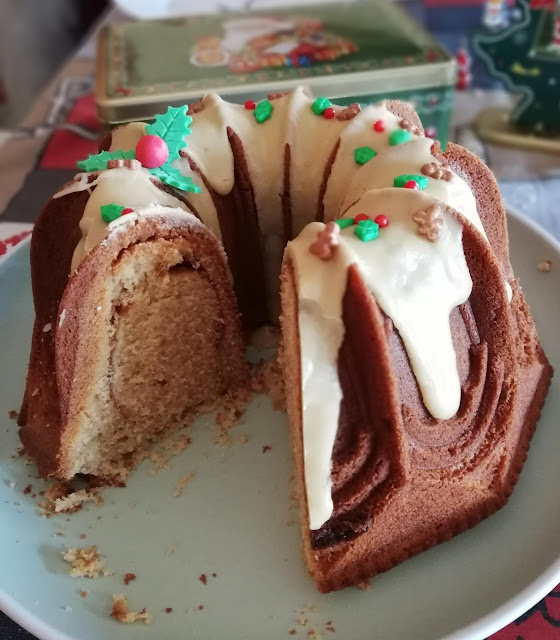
[409,158]
[416,282]
[125,187]
[358,133]
[169,213]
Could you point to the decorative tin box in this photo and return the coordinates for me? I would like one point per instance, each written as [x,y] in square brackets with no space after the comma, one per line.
[359,51]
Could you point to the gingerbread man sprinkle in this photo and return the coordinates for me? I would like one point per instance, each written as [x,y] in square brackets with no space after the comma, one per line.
[327,241]
[430,222]
[437,172]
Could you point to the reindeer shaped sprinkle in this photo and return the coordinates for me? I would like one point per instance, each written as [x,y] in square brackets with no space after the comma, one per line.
[327,240]
[437,172]
[430,222]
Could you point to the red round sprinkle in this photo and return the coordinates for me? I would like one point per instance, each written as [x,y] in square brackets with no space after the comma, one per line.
[379,126]
[329,113]
[382,220]
[126,210]
[152,151]
[411,184]
[360,217]
[250,104]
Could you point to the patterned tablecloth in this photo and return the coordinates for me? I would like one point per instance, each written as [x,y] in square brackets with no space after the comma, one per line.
[32,168]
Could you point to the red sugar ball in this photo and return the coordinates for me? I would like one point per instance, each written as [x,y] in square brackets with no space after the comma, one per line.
[360,217]
[126,210]
[250,104]
[379,126]
[329,113]
[382,220]
[151,151]
[411,184]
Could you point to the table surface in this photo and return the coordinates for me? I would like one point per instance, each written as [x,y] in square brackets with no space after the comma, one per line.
[33,167]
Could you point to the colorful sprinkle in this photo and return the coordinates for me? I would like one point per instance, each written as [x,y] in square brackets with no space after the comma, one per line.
[367,230]
[327,240]
[402,180]
[319,105]
[263,111]
[152,151]
[110,212]
[379,126]
[344,222]
[364,154]
[411,184]
[430,222]
[399,136]
[250,105]
[126,211]
[329,113]
[360,217]
[382,221]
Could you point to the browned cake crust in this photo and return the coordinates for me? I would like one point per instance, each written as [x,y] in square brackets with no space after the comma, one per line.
[402,480]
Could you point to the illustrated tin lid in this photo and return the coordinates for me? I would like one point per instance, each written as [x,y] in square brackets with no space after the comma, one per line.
[339,49]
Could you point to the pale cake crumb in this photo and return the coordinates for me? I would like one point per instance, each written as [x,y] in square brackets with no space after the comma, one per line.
[365,585]
[266,377]
[85,563]
[120,612]
[182,483]
[545,266]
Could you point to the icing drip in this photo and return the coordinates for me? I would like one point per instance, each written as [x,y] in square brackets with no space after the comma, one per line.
[119,186]
[417,283]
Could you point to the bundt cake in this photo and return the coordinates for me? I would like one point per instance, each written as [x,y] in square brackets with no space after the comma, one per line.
[413,373]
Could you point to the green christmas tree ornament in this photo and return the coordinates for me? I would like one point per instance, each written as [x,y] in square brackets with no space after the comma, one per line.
[520,45]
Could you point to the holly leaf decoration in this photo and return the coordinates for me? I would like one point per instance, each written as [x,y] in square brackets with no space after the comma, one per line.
[98,162]
[174,178]
[172,126]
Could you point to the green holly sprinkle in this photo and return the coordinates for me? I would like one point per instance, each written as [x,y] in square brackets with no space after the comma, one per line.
[110,212]
[364,154]
[399,136]
[174,178]
[98,161]
[367,230]
[319,105]
[344,222]
[172,127]
[263,111]
[400,181]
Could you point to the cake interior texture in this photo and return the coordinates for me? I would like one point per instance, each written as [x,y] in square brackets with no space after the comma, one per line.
[413,372]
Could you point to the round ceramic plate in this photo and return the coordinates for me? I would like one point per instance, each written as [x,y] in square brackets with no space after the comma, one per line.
[236,520]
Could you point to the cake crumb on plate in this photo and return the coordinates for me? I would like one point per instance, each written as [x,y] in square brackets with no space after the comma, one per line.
[85,563]
[121,613]
[182,483]
[545,266]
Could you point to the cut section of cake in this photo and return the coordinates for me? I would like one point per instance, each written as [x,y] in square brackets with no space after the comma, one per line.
[142,337]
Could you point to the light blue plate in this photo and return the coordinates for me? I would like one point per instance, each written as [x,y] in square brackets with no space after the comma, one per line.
[232,520]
